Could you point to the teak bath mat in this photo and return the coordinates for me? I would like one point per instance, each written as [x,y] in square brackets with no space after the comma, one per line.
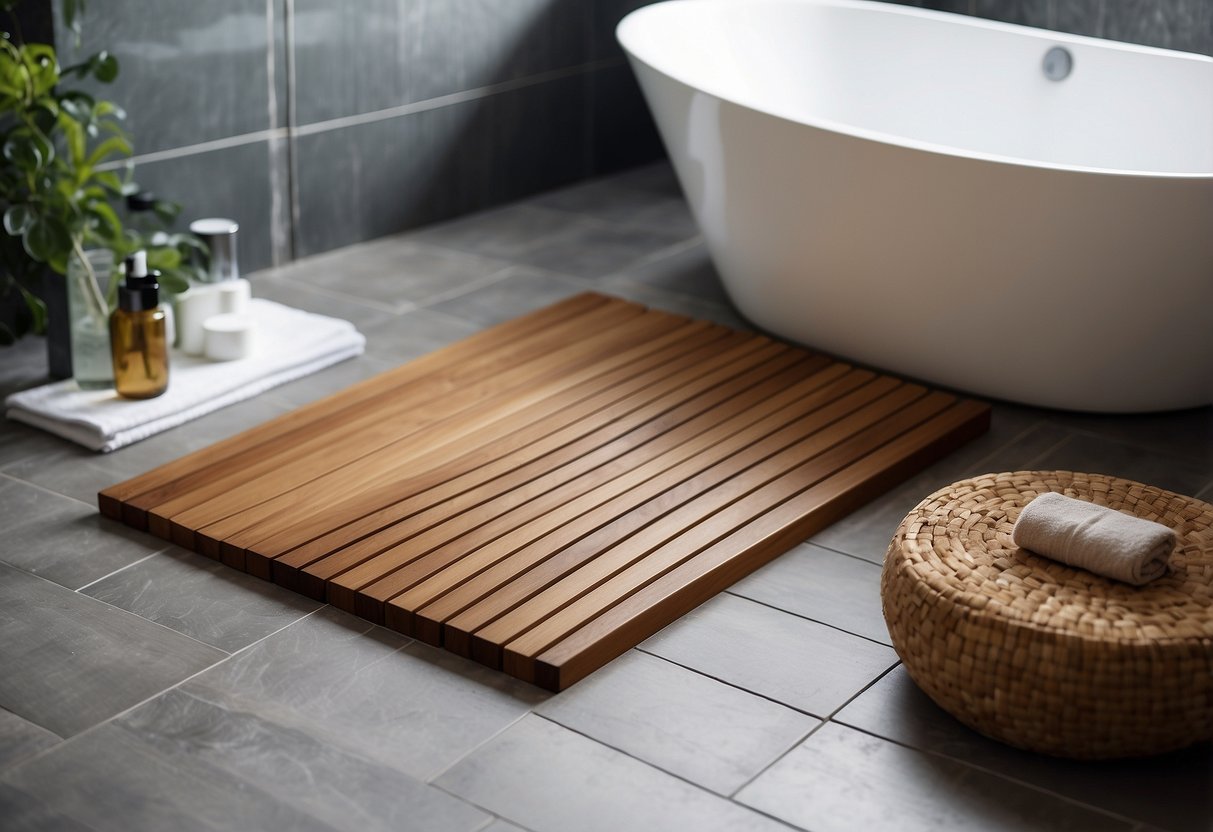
[546,494]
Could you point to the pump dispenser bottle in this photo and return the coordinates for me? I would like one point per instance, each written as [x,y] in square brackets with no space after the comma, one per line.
[138,339]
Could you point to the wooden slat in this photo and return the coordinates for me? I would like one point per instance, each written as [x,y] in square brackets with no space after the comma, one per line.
[640,615]
[630,458]
[670,407]
[120,501]
[246,483]
[487,577]
[544,495]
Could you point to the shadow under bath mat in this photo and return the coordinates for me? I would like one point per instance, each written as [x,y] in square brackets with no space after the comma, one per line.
[548,493]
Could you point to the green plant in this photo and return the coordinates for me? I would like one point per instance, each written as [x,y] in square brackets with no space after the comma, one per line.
[62,152]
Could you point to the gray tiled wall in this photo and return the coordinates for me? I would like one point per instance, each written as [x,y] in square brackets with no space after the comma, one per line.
[1171,24]
[318,123]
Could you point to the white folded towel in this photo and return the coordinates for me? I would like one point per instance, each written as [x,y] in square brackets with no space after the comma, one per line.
[1096,538]
[290,344]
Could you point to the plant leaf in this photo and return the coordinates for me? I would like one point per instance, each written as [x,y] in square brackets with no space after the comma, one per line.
[105,68]
[37,309]
[18,219]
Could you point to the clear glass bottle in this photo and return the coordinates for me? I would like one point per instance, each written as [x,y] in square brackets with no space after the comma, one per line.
[88,314]
[138,335]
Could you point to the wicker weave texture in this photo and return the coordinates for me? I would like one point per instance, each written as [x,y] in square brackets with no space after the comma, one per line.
[1044,656]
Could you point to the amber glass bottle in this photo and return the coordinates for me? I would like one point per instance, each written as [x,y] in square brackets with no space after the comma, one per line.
[138,336]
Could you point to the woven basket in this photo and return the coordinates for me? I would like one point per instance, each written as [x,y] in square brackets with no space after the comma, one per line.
[1044,656]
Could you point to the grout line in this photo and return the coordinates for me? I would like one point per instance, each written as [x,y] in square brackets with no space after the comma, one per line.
[163,691]
[640,649]
[451,98]
[121,569]
[729,591]
[829,718]
[292,158]
[387,113]
[697,786]
[122,611]
[1132,822]
[201,147]
[490,279]
[43,488]
[429,781]
[322,291]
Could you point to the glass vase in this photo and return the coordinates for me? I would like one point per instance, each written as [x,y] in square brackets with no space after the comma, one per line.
[92,364]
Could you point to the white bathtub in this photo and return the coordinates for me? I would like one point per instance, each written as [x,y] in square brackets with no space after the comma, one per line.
[907,189]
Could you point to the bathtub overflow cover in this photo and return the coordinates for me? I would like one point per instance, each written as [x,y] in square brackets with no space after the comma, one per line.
[1058,63]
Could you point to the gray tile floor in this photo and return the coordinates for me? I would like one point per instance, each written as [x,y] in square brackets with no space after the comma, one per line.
[145,688]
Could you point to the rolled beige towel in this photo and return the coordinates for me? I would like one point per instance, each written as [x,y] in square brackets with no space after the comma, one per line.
[1100,539]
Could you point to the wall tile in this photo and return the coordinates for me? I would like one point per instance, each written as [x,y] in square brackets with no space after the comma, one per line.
[1078,17]
[624,134]
[382,177]
[394,52]
[1171,24]
[189,72]
[230,182]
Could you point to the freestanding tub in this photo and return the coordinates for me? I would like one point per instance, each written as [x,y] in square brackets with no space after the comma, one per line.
[908,189]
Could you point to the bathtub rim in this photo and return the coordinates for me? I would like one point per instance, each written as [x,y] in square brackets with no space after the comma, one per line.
[635,18]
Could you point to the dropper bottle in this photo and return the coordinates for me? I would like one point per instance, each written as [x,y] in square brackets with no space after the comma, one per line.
[138,340]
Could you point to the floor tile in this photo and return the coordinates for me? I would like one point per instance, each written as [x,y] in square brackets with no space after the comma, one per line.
[345,790]
[609,201]
[688,271]
[809,666]
[414,334]
[825,586]
[417,709]
[594,249]
[1082,452]
[1185,435]
[841,779]
[80,473]
[20,442]
[504,233]
[202,598]
[64,540]
[680,721]
[1016,439]
[362,314]
[71,661]
[673,302]
[112,781]
[20,739]
[550,779]
[656,177]
[23,812]
[500,825]
[329,381]
[1169,792]
[522,290]
[394,271]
